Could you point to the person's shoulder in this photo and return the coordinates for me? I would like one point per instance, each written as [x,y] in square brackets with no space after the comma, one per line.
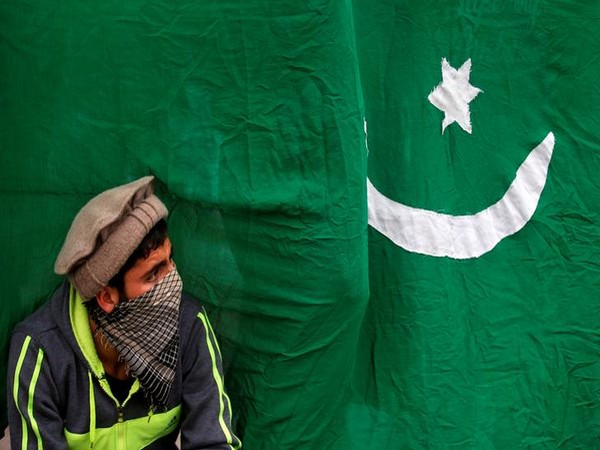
[190,305]
[42,321]
[193,315]
[190,311]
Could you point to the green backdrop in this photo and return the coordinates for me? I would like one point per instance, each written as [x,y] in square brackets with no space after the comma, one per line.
[251,115]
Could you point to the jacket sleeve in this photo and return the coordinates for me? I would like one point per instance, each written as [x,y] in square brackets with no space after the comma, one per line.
[206,409]
[33,413]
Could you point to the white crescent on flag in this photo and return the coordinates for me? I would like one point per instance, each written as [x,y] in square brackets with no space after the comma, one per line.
[469,236]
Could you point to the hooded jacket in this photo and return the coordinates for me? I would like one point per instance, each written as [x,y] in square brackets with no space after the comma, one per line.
[59,397]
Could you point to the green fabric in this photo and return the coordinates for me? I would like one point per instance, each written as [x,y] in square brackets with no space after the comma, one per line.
[251,116]
[500,351]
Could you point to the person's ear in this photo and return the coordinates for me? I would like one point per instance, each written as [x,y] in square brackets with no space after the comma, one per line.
[108,298]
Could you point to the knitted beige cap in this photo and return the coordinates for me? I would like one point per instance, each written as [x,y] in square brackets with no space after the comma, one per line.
[105,232]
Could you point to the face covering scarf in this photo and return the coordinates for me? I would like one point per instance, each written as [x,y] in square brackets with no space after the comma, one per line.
[145,332]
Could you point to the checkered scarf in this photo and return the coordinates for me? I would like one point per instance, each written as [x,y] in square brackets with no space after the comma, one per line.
[145,332]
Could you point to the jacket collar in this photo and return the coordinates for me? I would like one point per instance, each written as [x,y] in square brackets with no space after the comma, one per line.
[80,324]
[72,319]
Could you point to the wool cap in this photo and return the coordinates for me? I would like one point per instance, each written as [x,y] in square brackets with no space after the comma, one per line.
[105,232]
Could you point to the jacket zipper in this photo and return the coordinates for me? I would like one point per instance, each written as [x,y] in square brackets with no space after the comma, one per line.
[120,415]
[120,429]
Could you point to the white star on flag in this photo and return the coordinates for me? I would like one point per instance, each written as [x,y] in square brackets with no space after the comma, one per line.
[454,94]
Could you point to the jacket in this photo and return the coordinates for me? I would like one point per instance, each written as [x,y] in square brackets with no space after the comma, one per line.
[59,397]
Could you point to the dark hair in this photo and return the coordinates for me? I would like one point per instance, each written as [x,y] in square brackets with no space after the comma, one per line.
[154,239]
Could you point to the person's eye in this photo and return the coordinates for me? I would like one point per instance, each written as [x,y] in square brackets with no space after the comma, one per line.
[152,275]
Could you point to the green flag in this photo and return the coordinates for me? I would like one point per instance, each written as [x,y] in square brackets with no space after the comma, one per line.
[480,202]
[481,331]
